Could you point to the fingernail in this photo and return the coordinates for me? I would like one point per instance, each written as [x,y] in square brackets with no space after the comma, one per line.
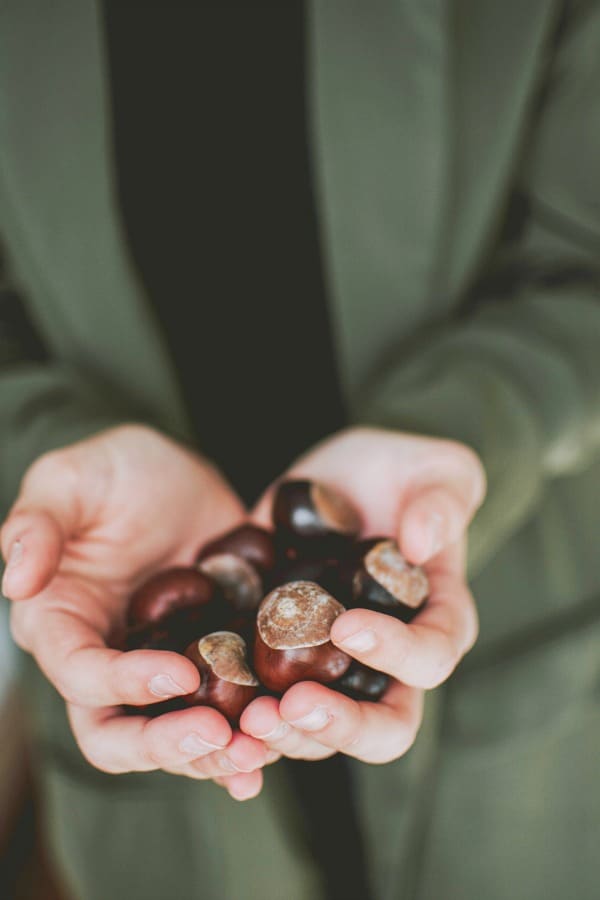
[314,720]
[436,533]
[15,556]
[276,734]
[195,744]
[360,641]
[228,765]
[164,686]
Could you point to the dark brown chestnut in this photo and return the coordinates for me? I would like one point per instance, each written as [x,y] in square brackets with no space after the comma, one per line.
[227,683]
[252,543]
[167,591]
[385,581]
[325,572]
[311,517]
[240,583]
[292,637]
[362,683]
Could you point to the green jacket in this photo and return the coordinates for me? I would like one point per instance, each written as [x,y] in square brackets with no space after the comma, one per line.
[456,146]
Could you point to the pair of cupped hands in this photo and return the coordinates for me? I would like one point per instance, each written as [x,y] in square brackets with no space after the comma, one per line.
[95,519]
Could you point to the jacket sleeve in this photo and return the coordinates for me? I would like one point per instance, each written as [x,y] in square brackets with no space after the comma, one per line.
[517,377]
[43,404]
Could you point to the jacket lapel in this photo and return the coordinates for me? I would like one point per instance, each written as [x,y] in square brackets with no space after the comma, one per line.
[497,66]
[69,250]
[380,125]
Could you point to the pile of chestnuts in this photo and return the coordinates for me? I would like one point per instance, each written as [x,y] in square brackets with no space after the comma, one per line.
[255,612]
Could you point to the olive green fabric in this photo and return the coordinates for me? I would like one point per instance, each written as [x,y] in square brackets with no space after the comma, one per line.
[456,149]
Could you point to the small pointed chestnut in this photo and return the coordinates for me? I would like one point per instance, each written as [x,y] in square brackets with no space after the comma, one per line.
[307,513]
[227,682]
[252,543]
[385,581]
[167,591]
[292,637]
[362,683]
[240,583]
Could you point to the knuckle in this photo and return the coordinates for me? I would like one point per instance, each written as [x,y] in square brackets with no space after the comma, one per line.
[68,681]
[69,692]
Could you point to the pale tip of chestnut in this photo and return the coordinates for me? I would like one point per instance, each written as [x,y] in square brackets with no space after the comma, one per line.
[238,579]
[225,653]
[334,510]
[297,614]
[387,566]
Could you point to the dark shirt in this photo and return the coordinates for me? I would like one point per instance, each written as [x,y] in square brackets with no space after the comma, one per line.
[215,188]
[215,184]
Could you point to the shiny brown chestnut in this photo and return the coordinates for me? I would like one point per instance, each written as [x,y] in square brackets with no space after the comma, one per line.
[324,572]
[167,591]
[240,583]
[252,543]
[227,682]
[362,683]
[174,631]
[308,514]
[385,581]
[292,637]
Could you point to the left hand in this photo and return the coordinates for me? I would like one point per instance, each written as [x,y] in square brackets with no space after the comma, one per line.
[424,492]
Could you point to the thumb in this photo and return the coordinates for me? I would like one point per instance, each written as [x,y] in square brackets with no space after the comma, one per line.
[432,519]
[44,515]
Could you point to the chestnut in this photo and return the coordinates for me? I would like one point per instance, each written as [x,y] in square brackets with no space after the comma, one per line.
[385,581]
[240,583]
[172,632]
[167,591]
[252,543]
[308,514]
[292,637]
[362,683]
[227,683]
[324,572]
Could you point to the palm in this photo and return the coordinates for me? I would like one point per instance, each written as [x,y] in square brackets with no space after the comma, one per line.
[92,521]
[129,502]
[145,504]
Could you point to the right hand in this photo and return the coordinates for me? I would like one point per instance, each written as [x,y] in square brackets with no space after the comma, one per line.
[91,522]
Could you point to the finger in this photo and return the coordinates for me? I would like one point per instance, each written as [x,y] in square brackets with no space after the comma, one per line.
[242,755]
[371,732]
[422,654]
[32,543]
[422,490]
[72,654]
[240,787]
[44,515]
[116,743]
[433,518]
[244,787]
[263,720]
